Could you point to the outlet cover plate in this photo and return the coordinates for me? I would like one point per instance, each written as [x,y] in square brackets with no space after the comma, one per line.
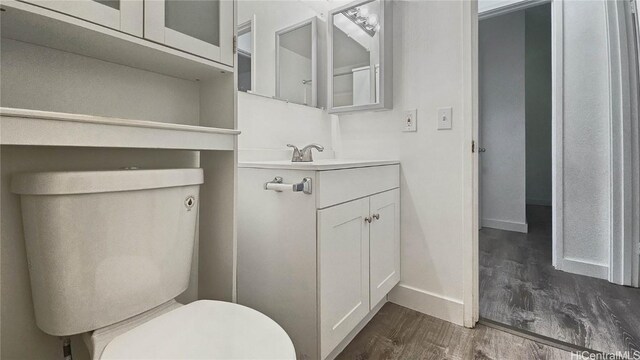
[410,121]
[444,118]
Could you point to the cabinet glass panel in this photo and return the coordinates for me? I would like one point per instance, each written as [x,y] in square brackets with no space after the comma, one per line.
[195,18]
[114,4]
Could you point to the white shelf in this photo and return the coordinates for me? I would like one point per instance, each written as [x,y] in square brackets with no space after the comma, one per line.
[40,26]
[45,128]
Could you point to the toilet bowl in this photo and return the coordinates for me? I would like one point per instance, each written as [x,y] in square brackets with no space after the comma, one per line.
[203,329]
[109,251]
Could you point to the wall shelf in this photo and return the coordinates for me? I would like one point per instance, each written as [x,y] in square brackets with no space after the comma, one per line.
[45,128]
[36,25]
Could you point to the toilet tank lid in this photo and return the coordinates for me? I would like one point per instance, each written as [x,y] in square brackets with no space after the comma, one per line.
[87,182]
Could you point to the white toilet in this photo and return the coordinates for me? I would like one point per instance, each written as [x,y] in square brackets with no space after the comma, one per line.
[108,252]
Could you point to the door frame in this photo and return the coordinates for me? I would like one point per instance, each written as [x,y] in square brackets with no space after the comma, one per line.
[626,173]
[471,175]
[470,250]
[636,148]
[623,102]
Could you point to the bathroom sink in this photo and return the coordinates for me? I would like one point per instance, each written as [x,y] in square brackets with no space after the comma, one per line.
[321,164]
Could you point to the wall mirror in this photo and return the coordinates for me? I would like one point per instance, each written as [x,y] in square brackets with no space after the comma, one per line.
[245,58]
[296,63]
[360,58]
[277,59]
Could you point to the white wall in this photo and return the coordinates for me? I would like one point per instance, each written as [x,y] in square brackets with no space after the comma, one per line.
[586,140]
[268,125]
[538,104]
[428,74]
[40,78]
[501,48]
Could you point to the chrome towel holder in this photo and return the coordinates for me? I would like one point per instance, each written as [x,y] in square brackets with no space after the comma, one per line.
[277,185]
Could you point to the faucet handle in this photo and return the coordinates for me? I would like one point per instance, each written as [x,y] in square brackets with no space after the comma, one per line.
[307,156]
[297,154]
[318,147]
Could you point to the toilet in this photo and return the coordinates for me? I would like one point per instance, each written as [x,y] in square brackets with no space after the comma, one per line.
[108,251]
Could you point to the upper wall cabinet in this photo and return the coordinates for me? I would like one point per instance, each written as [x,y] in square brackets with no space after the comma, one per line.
[360,57]
[188,39]
[122,15]
[202,28]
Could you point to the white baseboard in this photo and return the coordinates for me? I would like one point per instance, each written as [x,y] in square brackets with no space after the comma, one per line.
[505,225]
[426,302]
[540,202]
[582,267]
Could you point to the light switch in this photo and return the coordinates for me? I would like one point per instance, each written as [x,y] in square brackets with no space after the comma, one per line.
[410,121]
[444,118]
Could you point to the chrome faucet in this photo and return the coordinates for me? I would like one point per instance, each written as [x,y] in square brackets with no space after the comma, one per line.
[305,154]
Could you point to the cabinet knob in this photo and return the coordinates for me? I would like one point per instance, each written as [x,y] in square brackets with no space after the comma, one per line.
[376,216]
[368,219]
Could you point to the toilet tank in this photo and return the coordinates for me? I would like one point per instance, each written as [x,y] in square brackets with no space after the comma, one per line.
[103,246]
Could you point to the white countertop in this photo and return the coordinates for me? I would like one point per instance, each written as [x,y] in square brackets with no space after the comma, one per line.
[319,165]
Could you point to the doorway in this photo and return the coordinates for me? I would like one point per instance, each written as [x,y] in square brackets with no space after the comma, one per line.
[545,200]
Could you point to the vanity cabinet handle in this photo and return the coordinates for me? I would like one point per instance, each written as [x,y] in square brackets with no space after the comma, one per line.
[368,220]
[277,185]
[376,216]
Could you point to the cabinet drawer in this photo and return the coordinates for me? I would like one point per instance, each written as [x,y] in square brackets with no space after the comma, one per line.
[338,186]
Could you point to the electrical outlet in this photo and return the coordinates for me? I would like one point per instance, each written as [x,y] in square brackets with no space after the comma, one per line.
[444,118]
[410,121]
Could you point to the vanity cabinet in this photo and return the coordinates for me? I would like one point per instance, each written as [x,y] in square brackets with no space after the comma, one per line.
[359,248]
[319,264]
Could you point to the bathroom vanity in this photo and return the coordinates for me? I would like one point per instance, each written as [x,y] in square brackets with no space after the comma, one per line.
[319,260]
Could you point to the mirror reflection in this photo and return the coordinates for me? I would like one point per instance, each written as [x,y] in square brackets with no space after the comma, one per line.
[245,61]
[276,58]
[296,63]
[356,55]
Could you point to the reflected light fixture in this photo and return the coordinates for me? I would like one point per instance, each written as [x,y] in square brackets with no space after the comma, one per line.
[361,17]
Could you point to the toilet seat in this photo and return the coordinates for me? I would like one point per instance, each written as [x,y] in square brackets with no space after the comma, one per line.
[204,329]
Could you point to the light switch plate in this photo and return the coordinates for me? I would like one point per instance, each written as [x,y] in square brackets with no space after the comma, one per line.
[444,118]
[410,121]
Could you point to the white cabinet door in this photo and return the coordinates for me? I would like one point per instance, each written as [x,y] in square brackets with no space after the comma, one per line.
[200,27]
[343,242]
[122,15]
[384,244]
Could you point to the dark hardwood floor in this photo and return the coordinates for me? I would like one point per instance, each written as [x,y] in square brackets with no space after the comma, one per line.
[520,287]
[400,333]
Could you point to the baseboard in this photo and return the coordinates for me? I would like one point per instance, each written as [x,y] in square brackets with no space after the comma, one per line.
[426,302]
[539,202]
[582,267]
[505,225]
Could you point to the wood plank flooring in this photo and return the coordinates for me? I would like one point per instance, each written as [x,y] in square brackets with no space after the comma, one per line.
[520,287]
[400,333]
